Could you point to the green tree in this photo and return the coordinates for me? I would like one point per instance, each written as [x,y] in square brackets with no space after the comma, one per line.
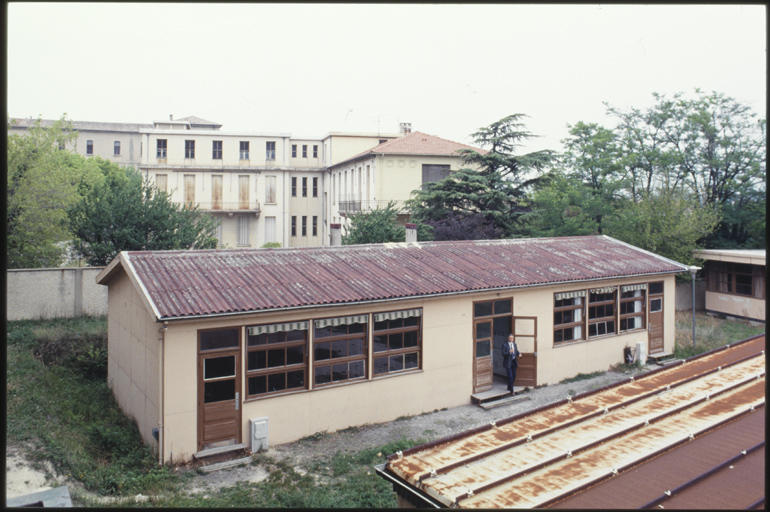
[565,206]
[374,227]
[41,184]
[125,213]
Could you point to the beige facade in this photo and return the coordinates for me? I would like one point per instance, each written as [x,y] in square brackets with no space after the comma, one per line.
[152,366]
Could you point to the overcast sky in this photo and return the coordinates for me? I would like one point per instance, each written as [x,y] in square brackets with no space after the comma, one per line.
[311,69]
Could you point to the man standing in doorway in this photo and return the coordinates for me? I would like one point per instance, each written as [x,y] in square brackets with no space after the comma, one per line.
[510,356]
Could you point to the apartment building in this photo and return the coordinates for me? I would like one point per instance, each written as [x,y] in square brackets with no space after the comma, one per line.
[271,187]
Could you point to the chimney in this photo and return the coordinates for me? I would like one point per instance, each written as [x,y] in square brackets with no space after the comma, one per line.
[406,128]
[171,117]
[336,234]
[411,233]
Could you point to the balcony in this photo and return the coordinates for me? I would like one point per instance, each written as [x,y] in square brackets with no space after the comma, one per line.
[230,207]
[352,207]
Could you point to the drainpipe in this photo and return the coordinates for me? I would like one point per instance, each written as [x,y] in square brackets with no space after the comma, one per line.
[161,431]
[693,270]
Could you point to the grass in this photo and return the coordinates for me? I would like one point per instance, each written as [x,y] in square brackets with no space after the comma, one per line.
[710,333]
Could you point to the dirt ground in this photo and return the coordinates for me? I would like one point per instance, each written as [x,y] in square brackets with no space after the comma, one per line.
[22,477]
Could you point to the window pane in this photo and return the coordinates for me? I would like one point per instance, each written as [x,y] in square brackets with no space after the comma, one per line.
[396,362]
[296,336]
[219,391]
[322,351]
[295,355]
[412,321]
[257,385]
[411,361]
[356,347]
[482,309]
[357,328]
[257,360]
[396,323]
[217,367]
[323,375]
[410,339]
[260,339]
[323,333]
[380,365]
[356,369]
[380,343]
[339,372]
[276,358]
[225,338]
[339,348]
[295,379]
[276,337]
[656,305]
[396,341]
[482,348]
[656,288]
[483,330]
[276,382]
[339,330]
[502,307]
[380,326]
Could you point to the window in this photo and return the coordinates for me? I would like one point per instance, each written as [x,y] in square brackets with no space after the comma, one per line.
[396,342]
[735,278]
[219,339]
[568,316]
[315,225]
[294,187]
[304,150]
[304,187]
[244,151]
[243,230]
[315,151]
[161,182]
[116,148]
[294,151]
[304,225]
[632,299]
[276,358]
[270,150]
[270,194]
[189,149]
[339,349]
[89,147]
[434,173]
[601,311]
[293,225]
[315,187]
[160,151]
[501,313]
[270,232]
[216,150]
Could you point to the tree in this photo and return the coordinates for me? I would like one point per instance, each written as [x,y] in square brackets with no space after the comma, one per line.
[565,206]
[374,227]
[41,184]
[125,213]
[489,196]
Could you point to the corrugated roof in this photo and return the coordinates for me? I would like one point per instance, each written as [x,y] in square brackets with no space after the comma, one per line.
[416,143]
[628,437]
[195,283]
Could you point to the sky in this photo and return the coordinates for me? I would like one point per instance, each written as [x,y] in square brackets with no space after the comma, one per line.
[310,69]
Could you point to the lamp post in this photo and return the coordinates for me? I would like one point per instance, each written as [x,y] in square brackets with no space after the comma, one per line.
[693,270]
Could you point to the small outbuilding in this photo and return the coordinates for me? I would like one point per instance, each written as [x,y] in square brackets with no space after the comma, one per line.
[220,349]
[735,282]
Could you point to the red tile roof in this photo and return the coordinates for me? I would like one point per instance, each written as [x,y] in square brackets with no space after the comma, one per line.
[417,143]
[194,283]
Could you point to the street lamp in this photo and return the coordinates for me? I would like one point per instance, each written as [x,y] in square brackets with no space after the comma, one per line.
[693,270]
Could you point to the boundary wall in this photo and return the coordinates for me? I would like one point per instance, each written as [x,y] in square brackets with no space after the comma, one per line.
[44,293]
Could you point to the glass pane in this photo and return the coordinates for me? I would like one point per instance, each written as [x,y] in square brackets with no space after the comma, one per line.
[502,306]
[380,343]
[610,327]
[339,348]
[257,360]
[656,288]
[219,391]
[482,309]
[656,305]
[323,375]
[483,330]
[295,355]
[592,330]
[482,348]
[295,379]
[223,338]
[322,351]
[276,358]
[397,362]
[396,323]
[216,367]
[380,326]
[339,330]
[257,385]
[411,321]
[380,365]
[339,372]
[276,337]
[276,382]
[323,333]
[356,369]
[396,341]
[260,339]
[357,328]
[410,339]
[296,336]
[356,347]
[411,361]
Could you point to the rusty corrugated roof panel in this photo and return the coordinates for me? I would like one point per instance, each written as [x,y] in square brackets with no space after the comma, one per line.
[549,456]
[194,283]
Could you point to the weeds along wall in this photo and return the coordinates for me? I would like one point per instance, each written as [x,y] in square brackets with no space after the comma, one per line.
[46,293]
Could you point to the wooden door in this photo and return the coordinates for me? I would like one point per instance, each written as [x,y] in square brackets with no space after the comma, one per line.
[482,355]
[219,411]
[216,192]
[243,192]
[525,333]
[655,324]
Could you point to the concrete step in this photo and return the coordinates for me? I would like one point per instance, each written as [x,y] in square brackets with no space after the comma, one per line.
[493,394]
[219,450]
[226,464]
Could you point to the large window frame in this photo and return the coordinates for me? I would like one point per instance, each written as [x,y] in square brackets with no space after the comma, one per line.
[569,316]
[216,150]
[740,279]
[632,307]
[161,148]
[270,150]
[396,342]
[276,359]
[602,311]
[189,149]
[243,153]
[340,350]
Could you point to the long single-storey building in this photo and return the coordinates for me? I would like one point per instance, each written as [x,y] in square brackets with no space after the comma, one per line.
[222,348]
[735,282]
